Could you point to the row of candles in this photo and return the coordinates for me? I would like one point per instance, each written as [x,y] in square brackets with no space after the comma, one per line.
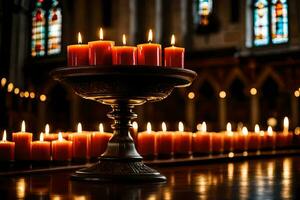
[83,145]
[104,52]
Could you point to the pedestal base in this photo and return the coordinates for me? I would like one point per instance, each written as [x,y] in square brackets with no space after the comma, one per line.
[114,170]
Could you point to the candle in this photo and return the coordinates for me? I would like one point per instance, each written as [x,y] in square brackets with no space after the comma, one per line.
[100,51]
[41,150]
[228,138]
[217,143]
[61,149]
[124,55]
[99,142]
[146,143]
[182,141]
[134,132]
[202,141]
[22,141]
[150,53]
[270,138]
[164,142]
[241,140]
[81,144]
[284,139]
[7,149]
[78,54]
[47,136]
[174,56]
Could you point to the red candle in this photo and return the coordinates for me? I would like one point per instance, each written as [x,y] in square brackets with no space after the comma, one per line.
[217,141]
[146,143]
[7,149]
[202,141]
[100,52]
[78,54]
[49,136]
[164,142]
[228,139]
[81,144]
[174,56]
[182,141]
[22,144]
[99,142]
[284,139]
[61,149]
[150,53]
[270,139]
[41,150]
[124,55]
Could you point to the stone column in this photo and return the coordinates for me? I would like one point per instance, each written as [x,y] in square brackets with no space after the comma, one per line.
[190,113]
[222,113]
[254,110]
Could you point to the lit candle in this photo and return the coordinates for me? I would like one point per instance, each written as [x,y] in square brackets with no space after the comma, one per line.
[99,142]
[202,141]
[182,141]
[7,149]
[146,143]
[174,56]
[81,144]
[61,149]
[271,138]
[228,138]
[164,142]
[22,141]
[254,140]
[134,132]
[284,139]
[78,54]
[41,150]
[100,51]
[150,53]
[47,136]
[124,55]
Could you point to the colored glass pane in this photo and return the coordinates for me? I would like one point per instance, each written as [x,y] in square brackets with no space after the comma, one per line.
[54,29]
[279,10]
[261,23]
[204,8]
[38,31]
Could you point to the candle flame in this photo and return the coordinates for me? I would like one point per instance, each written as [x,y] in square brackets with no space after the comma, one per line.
[150,36]
[256,128]
[262,133]
[101,128]
[101,34]
[204,127]
[180,127]
[286,123]
[124,39]
[135,125]
[23,128]
[60,137]
[228,127]
[164,127]
[42,137]
[79,128]
[244,131]
[47,129]
[79,38]
[270,131]
[148,127]
[173,40]
[4,136]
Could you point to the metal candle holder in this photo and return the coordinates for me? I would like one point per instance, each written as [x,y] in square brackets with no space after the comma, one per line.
[122,87]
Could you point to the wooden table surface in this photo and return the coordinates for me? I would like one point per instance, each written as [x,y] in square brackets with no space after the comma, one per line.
[273,178]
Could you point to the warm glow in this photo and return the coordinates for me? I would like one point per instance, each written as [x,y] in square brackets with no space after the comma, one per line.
[101,34]
[270,131]
[222,94]
[228,127]
[60,137]
[10,87]
[286,124]
[3,82]
[124,39]
[4,136]
[180,127]
[191,95]
[262,133]
[256,128]
[244,131]
[23,128]
[272,121]
[148,127]
[26,94]
[150,36]
[16,90]
[164,127]
[21,94]
[47,129]
[79,128]
[42,137]
[101,128]
[173,40]
[297,131]
[43,97]
[297,93]
[253,91]
[32,95]
[135,125]
[203,127]
[79,38]
[199,127]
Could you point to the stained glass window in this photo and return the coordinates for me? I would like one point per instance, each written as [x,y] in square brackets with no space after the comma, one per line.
[46,28]
[203,9]
[270,22]
[38,30]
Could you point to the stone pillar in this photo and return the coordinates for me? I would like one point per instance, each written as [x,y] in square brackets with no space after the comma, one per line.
[222,113]
[295,111]
[254,110]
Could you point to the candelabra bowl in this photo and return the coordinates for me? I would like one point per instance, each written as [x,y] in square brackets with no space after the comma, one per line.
[122,87]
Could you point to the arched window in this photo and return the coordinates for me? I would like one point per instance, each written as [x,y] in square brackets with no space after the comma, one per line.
[270,22]
[203,10]
[46,28]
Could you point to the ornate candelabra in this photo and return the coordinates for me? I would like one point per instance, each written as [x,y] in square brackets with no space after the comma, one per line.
[122,87]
